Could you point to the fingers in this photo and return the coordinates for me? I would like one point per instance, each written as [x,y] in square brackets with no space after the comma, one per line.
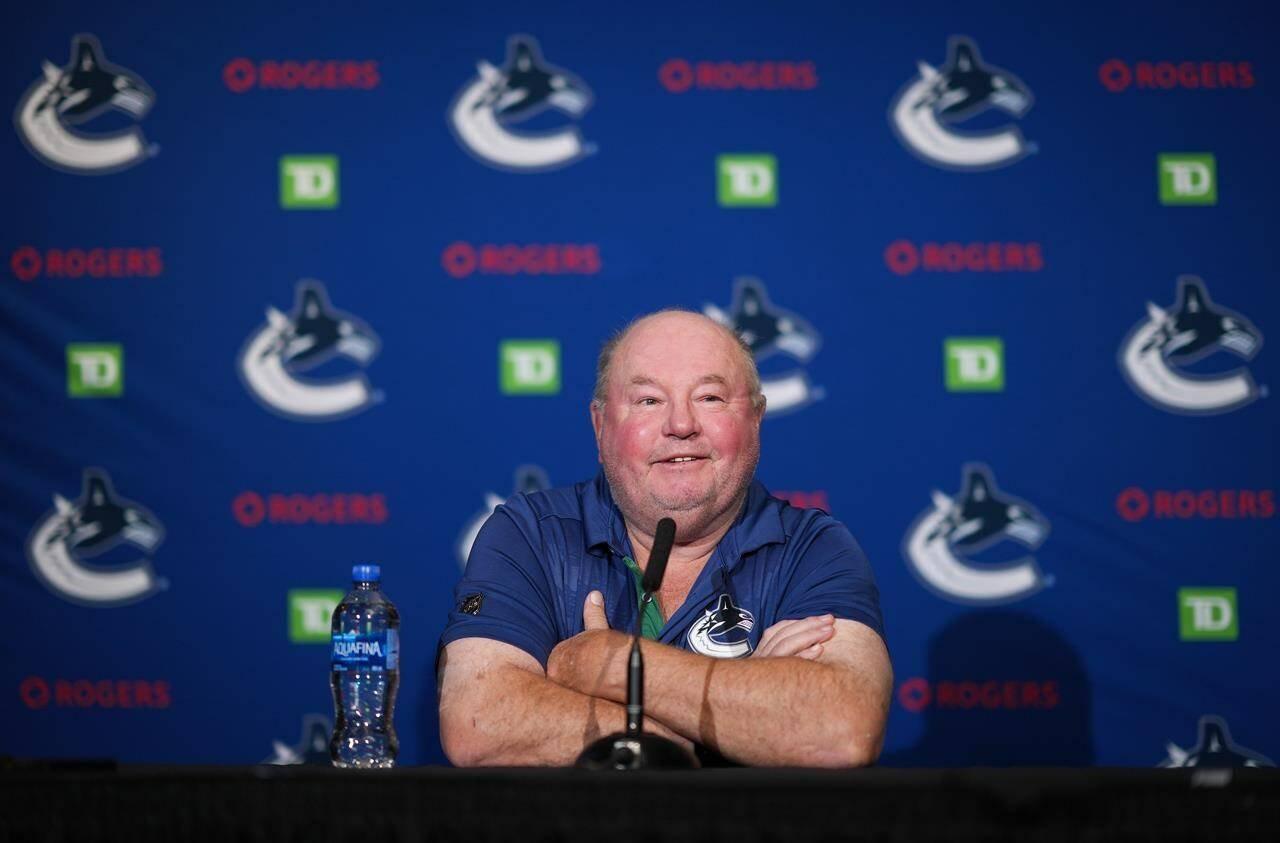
[811,654]
[767,639]
[593,616]
[796,636]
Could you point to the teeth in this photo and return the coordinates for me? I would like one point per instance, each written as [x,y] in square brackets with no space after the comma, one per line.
[682,459]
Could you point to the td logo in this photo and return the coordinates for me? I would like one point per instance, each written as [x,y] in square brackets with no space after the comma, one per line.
[529,367]
[747,181]
[1207,614]
[311,613]
[308,182]
[95,370]
[1187,178]
[974,364]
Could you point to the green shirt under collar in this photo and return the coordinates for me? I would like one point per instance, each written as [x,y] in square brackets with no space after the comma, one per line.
[651,622]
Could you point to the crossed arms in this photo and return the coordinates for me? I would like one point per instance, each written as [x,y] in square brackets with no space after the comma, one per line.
[815,693]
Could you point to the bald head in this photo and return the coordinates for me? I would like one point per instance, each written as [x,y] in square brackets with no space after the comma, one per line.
[669,323]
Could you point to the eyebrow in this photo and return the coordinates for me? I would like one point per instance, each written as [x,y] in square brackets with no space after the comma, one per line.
[641,380]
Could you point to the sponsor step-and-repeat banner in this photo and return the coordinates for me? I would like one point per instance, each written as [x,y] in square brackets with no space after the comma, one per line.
[289,293]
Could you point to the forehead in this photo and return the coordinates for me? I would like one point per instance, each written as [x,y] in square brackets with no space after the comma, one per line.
[675,347]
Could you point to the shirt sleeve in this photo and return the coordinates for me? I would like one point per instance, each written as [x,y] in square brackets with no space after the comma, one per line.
[833,575]
[504,593]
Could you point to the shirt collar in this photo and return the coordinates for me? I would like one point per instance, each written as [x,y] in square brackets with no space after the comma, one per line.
[759,524]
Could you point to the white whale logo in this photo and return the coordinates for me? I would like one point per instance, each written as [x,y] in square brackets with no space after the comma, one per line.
[980,516]
[275,354]
[87,87]
[924,112]
[97,522]
[1190,330]
[483,114]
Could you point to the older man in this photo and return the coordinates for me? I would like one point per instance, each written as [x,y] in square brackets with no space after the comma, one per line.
[534,662]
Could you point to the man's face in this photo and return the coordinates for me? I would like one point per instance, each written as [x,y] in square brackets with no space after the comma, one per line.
[678,435]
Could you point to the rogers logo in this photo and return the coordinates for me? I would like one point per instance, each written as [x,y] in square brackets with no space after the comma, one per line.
[37,693]
[917,694]
[904,257]
[28,263]
[1117,75]
[680,75]
[242,74]
[462,259]
[1135,504]
[252,508]
[806,500]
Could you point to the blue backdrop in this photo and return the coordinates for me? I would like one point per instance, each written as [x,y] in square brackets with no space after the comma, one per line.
[961,279]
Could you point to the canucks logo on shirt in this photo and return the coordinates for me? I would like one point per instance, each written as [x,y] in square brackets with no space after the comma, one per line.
[723,631]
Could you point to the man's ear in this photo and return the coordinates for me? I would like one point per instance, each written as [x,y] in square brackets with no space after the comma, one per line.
[597,422]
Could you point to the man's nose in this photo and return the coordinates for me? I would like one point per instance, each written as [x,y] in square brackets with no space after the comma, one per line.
[682,422]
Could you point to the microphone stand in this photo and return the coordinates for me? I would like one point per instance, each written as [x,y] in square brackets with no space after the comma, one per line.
[633,749]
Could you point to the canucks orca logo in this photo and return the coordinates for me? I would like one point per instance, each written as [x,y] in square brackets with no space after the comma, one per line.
[77,94]
[312,335]
[770,330]
[95,524]
[1213,749]
[312,746]
[490,104]
[723,631]
[924,113]
[938,544]
[529,478]
[1192,329]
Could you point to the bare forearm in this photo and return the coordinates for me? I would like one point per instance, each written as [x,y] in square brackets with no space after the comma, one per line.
[786,711]
[523,719]
[779,711]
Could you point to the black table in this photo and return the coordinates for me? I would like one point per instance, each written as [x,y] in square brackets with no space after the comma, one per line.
[316,804]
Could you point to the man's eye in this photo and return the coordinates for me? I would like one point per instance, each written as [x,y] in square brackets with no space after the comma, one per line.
[647,402]
[711,398]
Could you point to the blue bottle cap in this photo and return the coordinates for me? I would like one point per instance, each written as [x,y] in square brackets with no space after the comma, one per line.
[366,573]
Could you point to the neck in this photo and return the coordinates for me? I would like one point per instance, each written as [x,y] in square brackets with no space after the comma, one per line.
[688,549]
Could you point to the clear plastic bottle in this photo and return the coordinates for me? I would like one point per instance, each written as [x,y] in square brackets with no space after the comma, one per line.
[365,674]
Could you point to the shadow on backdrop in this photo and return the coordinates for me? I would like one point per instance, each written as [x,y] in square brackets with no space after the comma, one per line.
[1000,688]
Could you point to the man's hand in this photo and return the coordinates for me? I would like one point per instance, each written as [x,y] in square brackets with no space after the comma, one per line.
[582,662]
[802,638]
[572,655]
[593,616]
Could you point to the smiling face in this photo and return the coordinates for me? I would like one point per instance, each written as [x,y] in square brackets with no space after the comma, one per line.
[678,432]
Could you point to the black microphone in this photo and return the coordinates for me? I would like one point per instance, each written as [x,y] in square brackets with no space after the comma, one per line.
[663,538]
[632,749]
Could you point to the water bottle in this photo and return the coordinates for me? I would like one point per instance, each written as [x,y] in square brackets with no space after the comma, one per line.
[365,674]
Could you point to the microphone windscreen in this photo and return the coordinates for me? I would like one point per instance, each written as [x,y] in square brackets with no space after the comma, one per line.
[663,538]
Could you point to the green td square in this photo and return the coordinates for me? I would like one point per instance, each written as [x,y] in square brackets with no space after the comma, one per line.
[747,181]
[308,181]
[529,367]
[311,614]
[95,370]
[1207,614]
[974,364]
[1187,178]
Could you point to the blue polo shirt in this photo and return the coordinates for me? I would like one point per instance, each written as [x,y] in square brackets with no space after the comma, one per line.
[540,554]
